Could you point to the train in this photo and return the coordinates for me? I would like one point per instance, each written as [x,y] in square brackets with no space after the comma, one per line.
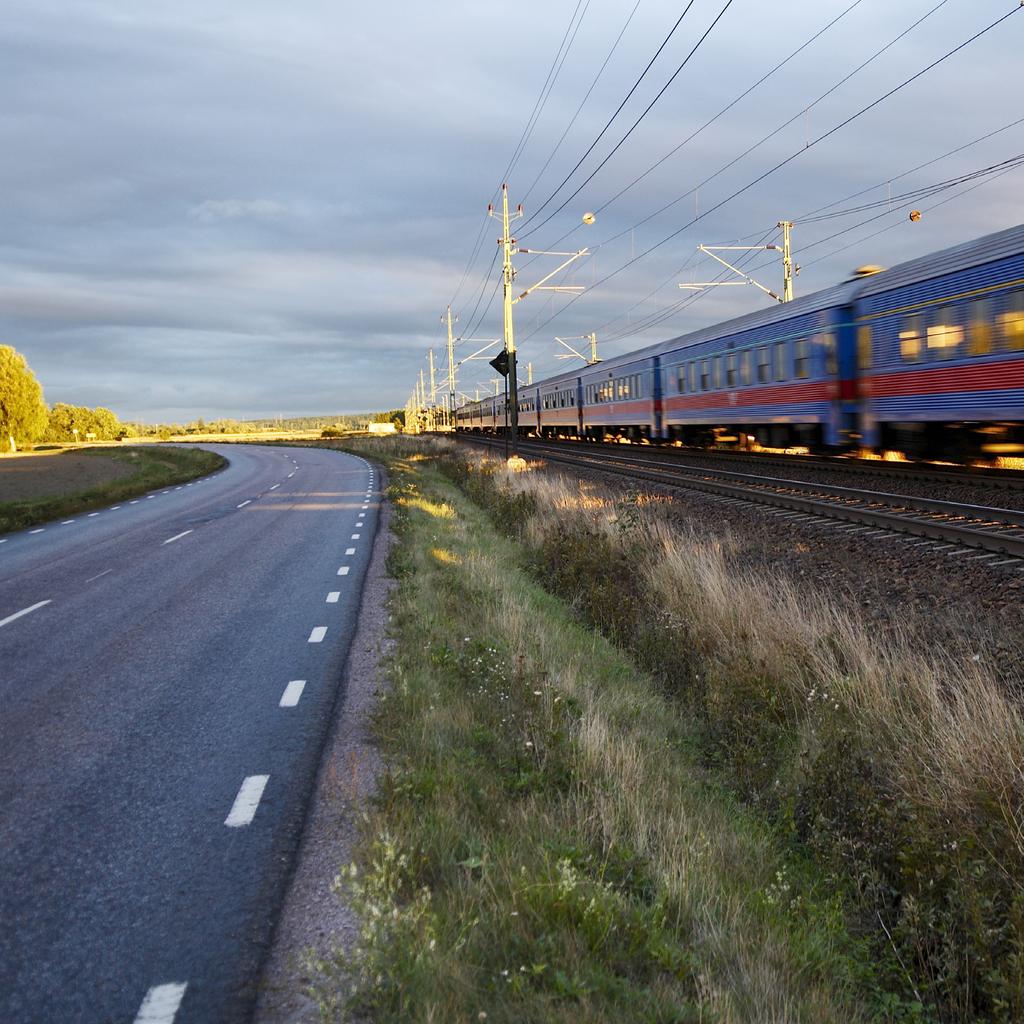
[925,358]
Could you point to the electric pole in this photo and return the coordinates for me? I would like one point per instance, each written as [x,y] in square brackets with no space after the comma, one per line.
[508,275]
[529,373]
[787,261]
[451,366]
[593,348]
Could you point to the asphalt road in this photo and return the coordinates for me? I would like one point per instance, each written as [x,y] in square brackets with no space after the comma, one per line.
[168,669]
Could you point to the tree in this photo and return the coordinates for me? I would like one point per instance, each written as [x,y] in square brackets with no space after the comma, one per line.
[22,409]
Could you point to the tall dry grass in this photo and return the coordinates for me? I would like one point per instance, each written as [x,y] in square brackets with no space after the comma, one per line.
[901,770]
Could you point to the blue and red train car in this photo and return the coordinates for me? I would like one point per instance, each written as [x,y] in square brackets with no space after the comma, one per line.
[926,358]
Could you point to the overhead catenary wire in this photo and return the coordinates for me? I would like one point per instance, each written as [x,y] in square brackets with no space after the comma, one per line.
[586,96]
[542,96]
[661,92]
[787,160]
[615,114]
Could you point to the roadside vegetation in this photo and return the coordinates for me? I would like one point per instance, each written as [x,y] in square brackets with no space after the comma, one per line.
[559,834]
[897,770]
[152,467]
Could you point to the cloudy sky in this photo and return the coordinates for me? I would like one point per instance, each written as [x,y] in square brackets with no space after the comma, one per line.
[243,209]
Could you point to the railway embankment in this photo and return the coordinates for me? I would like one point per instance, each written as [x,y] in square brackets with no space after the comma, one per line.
[548,841]
[599,716]
[895,764]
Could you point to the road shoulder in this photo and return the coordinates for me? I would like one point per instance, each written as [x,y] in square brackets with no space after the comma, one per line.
[313,919]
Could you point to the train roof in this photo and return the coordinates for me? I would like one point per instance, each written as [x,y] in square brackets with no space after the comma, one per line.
[1009,242]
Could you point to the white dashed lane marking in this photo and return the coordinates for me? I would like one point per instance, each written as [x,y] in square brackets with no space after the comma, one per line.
[350,551]
[244,808]
[67,522]
[98,575]
[114,508]
[343,571]
[318,634]
[292,693]
[161,1003]
[244,503]
[177,536]
[355,536]
[40,530]
[24,611]
[332,597]
[92,515]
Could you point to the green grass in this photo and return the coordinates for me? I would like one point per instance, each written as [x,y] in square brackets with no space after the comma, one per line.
[546,844]
[153,466]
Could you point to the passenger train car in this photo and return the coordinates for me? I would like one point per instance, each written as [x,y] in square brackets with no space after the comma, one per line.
[926,358]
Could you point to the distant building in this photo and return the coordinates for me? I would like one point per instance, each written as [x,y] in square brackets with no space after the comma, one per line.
[381,428]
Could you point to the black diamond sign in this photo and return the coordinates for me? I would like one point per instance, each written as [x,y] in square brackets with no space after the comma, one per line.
[500,363]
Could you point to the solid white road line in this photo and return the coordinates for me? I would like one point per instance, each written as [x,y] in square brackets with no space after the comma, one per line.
[355,536]
[177,536]
[161,1003]
[350,551]
[244,503]
[98,575]
[292,693]
[40,530]
[244,808]
[24,611]
[343,571]
[319,632]
[332,597]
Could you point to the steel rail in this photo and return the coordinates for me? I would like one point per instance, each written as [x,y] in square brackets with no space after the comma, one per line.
[702,480]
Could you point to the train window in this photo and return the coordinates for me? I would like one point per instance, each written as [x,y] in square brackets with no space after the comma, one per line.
[717,362]
[944,334]
[730,370]
[779,360]
[1011,323]
[705,377]
[762,364]
[681,378]
[801,358]
[910,339]
[693,376]
[639,386]
[865,354]
[745,365]
[828,343]
[979,330]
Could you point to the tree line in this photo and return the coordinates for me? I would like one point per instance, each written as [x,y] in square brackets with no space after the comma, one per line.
[26,419]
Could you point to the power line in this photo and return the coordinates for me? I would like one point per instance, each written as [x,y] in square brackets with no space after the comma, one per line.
[549,84]
[721,170]
[618,110]
[633,126]
[545,91]
[572,120]
[782,163]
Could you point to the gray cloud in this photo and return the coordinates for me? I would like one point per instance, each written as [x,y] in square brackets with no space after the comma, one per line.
[214,208]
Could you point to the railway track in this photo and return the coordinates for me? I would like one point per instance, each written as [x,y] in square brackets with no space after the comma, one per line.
[995,530]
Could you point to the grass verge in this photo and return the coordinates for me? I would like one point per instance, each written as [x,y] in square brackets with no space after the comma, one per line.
[153,467]
[546,844]
[899,771]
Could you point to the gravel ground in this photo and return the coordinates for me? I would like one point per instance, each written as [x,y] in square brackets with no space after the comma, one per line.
[313,919]
[955,598]
[974,493]
[30,475]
